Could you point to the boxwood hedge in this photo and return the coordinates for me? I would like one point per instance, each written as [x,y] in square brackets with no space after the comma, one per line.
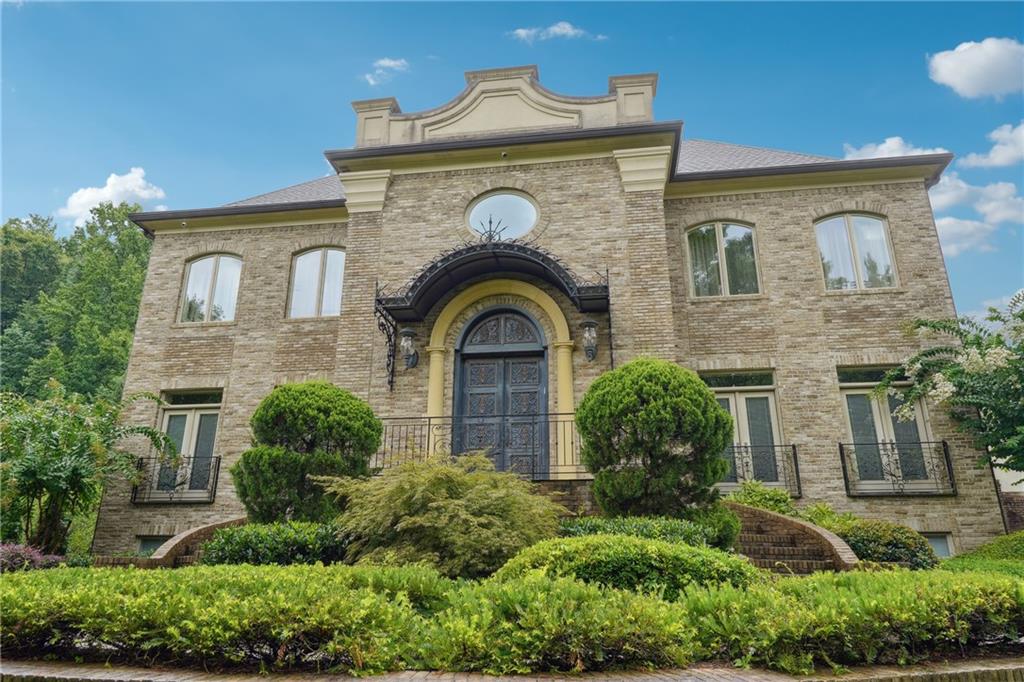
[714,526]
[295,542]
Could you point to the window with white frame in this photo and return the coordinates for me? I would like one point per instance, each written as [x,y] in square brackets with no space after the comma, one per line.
[723,260]
[855,252]
[211,289]
[317,277]
[887,440]
[190,421]
[750,398]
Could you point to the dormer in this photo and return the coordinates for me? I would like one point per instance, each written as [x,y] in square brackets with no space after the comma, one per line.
[505,101]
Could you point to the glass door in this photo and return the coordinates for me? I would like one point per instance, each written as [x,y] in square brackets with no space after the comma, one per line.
[755,436]
[884,447]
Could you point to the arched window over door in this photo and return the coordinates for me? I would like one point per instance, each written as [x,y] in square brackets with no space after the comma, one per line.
[501,392]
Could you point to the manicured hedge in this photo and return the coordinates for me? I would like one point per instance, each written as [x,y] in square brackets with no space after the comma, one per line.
[373,619]
[632,563]
[295,542]
[1011,567]
[650,527]
[857,617]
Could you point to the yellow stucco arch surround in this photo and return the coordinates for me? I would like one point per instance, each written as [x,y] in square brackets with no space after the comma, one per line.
[563,343]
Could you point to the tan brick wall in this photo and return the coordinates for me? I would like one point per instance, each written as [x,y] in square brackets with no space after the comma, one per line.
[588,221]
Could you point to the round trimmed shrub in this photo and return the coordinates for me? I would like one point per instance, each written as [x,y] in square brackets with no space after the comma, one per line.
[652,434]
[720,524]
[317,415]
[873,540]
[630,563]
[275,543]
[275,484]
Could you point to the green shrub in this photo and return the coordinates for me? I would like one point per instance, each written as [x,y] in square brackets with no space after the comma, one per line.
[757,494]
[856,618]
[650,527]
[534,624]
[632,564]
[318,416]
[652,434]
[1011,567]
[282,617]
[276,484]
[875,540]
[461,516]
[720,523]
[277,543]
[1004,547]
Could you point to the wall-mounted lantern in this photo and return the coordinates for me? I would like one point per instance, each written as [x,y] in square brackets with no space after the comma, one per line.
[590,339]
[407,344]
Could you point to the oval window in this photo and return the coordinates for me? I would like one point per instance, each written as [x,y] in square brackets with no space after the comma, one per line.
[503,215]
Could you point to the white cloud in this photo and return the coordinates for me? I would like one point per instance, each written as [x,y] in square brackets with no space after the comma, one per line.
[994,67]
[958,235]
[892,146]
[383,69]
[997,202]
[160,207]
[560,29]
[130,187]
[1007,150]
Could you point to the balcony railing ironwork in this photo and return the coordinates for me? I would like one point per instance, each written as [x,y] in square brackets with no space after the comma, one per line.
[897,469]
[186,480]
[535,446]
[774,465]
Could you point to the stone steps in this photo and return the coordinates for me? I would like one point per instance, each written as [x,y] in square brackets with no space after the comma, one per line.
[784,545]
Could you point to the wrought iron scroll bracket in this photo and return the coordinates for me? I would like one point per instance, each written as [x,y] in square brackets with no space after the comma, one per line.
[389,328]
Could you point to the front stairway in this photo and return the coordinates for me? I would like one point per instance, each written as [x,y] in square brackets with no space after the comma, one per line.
[786,545]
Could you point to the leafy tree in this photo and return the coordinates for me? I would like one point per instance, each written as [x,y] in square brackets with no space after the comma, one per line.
[79,330]
[57,454]
[30,262]
[653,436]
[979,378]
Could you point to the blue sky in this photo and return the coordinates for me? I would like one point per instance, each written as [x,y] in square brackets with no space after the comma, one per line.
[189,105]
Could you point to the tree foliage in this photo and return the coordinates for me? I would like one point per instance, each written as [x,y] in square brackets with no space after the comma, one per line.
[978,377]
[57,453]
[652,435]
[70,304]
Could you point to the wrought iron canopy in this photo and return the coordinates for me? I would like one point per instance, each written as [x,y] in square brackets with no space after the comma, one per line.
[493,257]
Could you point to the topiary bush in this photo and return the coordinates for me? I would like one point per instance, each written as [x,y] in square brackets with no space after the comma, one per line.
[652,434]
[276,543]
[720,523]
[317,415]
[460,515]
[757,494]
[632,564]
[533,624]
[302,431]
[14,557]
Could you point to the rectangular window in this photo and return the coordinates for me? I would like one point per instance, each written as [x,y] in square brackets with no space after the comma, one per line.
[940,544]
[150,543]
[190,421]
[756,453]
[855,253]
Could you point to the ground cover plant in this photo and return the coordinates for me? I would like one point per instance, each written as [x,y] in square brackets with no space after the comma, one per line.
[1003,555]
[372,619]
[457,514]
[294,542]
[638,564]
[651,527]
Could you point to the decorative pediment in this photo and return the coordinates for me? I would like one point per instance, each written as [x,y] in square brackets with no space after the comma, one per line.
[502,101]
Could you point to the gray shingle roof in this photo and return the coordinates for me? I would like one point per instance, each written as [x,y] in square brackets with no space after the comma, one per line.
[321,189]
[699,156]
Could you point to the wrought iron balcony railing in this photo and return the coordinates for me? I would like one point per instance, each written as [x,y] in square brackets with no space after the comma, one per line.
[535,446]
[897,469]
[193,480]
[774,465]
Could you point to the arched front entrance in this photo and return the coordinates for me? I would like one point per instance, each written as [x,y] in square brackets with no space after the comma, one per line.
[500,401]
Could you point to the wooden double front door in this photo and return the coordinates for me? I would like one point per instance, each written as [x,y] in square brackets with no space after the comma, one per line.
[501,406]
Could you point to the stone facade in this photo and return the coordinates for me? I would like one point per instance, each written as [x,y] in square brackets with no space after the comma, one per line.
[598,221]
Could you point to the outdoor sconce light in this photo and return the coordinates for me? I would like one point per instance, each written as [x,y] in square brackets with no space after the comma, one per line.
[590,339]
[407,343]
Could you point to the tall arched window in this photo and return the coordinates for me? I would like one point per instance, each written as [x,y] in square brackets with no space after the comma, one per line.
[855,252]
[722,260]
[317,276]
[211,289]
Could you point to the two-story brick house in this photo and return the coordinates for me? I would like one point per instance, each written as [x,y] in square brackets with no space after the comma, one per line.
[470,269]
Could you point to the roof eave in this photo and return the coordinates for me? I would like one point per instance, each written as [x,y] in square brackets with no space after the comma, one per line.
[144,217]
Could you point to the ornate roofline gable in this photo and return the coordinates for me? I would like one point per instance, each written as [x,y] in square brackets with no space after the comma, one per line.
[503,101]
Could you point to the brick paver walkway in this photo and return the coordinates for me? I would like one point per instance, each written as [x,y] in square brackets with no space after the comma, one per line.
[977,670]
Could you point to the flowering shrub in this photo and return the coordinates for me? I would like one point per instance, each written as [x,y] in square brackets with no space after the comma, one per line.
[24,558]
[979,378]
